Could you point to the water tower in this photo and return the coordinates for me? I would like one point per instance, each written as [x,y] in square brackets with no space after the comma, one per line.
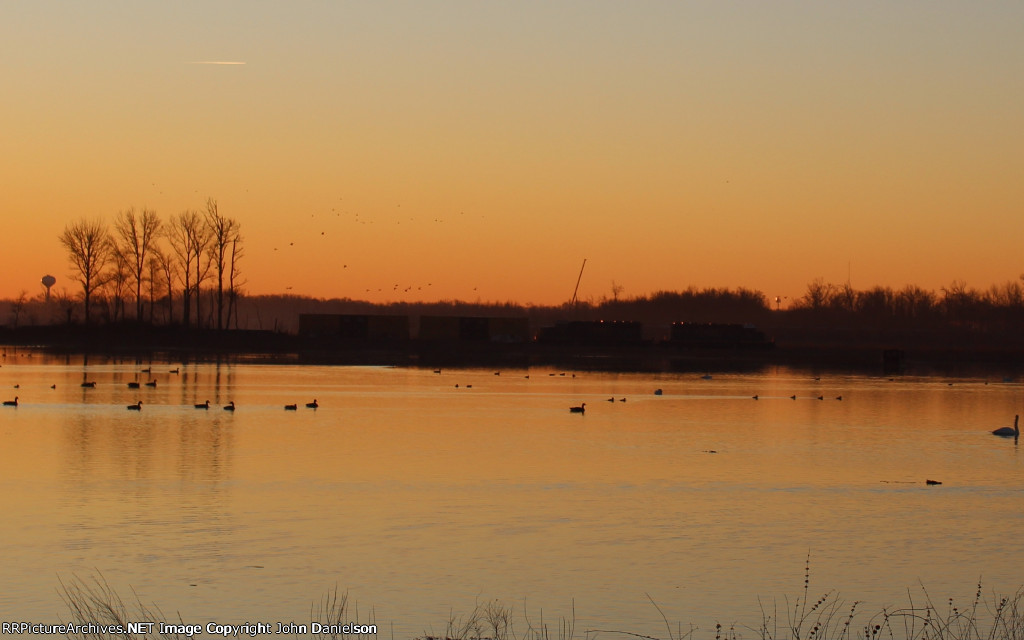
[48,281]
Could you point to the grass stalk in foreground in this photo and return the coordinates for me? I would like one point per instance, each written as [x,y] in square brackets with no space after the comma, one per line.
[826,618]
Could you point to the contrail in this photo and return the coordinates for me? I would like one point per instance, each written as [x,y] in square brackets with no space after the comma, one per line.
[215,62]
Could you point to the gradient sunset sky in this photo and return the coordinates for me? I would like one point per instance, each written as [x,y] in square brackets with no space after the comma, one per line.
[482,150]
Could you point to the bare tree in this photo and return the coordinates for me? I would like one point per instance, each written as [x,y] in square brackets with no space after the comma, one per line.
[617,289]
[819,295]
[154,283]
[88,246]
[224,234]
[115,285]
[66,304]
[179,232]
[189,238]
[18,306]
[164,268]
[234,278]
[135,236]
[198,241]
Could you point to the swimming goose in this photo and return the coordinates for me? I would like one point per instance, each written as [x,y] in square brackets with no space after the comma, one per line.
[135,407]
[11,403]
[312,405]
[579,409]
[291,407]
[1001,431]
[205,405]
[230,406]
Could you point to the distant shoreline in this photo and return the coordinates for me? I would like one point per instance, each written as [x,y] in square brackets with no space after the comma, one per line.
[820,352]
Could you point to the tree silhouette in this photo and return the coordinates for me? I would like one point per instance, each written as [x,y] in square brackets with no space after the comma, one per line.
[223,240]
[134,238]
[180,232]
[234,277]
[89,250]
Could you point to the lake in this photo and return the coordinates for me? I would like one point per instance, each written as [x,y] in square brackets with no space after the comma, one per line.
[422,494]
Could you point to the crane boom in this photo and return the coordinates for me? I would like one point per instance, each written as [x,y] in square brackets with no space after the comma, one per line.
[576,290]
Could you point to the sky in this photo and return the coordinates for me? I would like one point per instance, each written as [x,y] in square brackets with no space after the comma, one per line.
[481,151]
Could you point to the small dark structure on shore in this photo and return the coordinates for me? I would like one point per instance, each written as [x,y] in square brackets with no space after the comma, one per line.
[361,328]
[593,333]
[718,336]
[473,328]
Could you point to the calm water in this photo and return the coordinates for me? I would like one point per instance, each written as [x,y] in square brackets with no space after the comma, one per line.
[420,498]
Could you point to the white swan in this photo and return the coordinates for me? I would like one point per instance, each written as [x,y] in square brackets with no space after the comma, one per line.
[1007,431]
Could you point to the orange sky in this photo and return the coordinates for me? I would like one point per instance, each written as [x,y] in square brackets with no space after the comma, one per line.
[483,150]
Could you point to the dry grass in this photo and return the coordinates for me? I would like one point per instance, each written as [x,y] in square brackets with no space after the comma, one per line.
[827,617]
[95,605]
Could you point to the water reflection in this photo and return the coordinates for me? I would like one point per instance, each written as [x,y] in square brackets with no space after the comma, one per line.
[419,496]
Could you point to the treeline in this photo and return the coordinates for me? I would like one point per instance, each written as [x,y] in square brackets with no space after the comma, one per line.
[192,258]
[193,280]
[659,309]
[1000,308]
[824,307]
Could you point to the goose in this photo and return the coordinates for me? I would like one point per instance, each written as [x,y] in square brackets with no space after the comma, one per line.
[755,397]
[146,370]
[89,385]
[151,383]
[291,407]
[1001,431]
[174,370]
[579,409]
[230,406]
[657,392]
[11,403]
[205,405]
[312,405]
[611,399]
[133,385]
[135,407]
